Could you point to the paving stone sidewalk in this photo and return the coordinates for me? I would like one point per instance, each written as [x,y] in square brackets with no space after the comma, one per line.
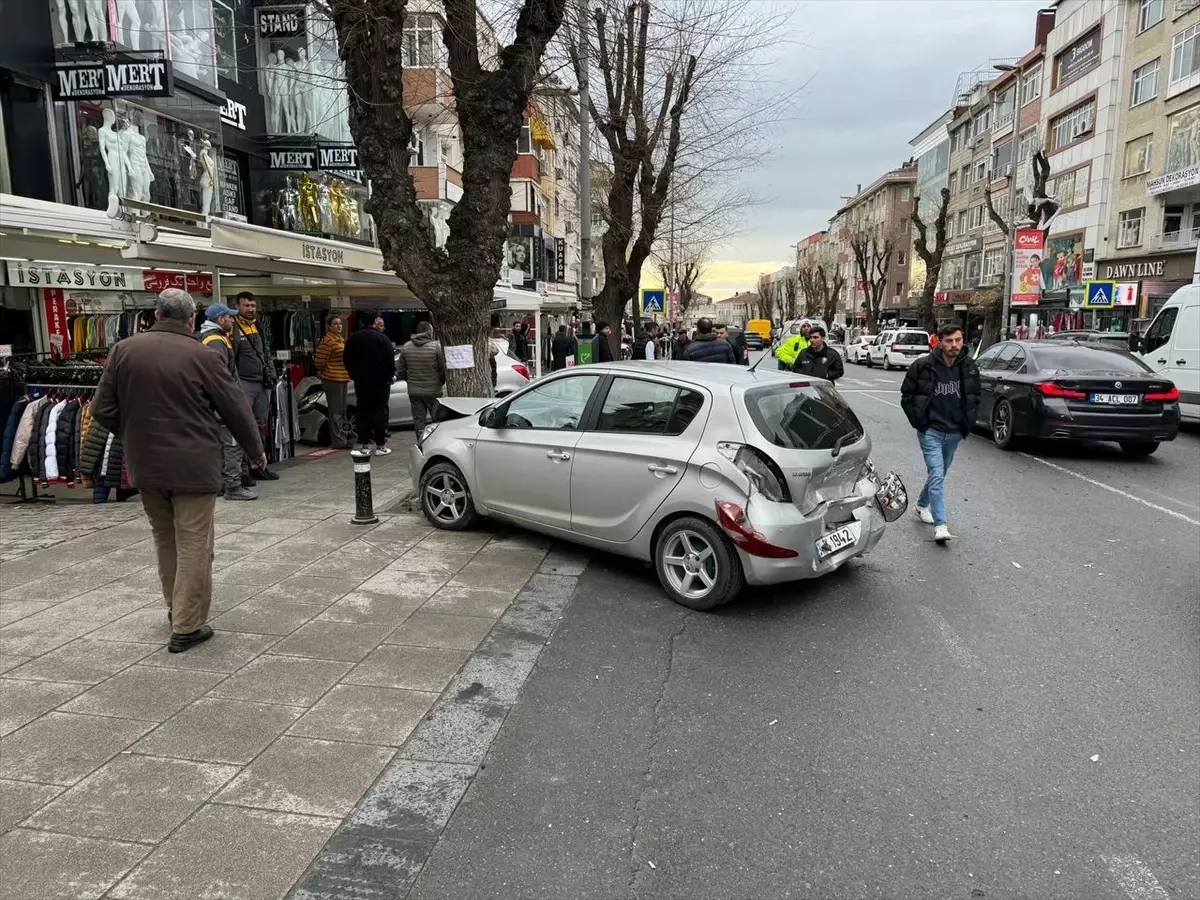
[323,736]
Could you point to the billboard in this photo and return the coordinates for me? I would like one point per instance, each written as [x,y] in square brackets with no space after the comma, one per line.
[1028,252]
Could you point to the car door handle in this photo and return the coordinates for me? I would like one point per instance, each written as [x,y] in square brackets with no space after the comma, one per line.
[662,470]
[558,455]
[1181,362]
[1162,362]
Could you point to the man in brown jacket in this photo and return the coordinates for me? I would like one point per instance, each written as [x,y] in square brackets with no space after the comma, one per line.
[162,393]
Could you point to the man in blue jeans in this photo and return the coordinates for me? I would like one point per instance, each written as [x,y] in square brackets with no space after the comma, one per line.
[940,396]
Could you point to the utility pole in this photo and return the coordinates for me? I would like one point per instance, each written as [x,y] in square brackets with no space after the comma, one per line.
[585,161]
[1009,218]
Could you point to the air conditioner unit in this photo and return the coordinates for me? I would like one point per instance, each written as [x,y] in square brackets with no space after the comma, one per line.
[558,172]
[1082,128]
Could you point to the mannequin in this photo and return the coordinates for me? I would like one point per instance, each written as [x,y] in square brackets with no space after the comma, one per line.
[325,206]
[127,12]
[302,113]
[77,23]
[97,27]
[273,89]
[186,54]
[340,206]
[208,177]
[354,222]
[60,10]
[290,82]
[310,214]
[109,140]
[289,206]
[137,163]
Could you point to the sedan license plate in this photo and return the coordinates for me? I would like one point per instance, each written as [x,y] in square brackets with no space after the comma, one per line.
[1116,399]
[838,540]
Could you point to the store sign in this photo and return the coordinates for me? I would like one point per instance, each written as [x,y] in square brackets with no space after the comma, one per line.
[99,80]
[1173,181]
[192,282]
[1029,248]
[282,23]
[343,157]
[1125,293]
[266,242]
[293,159]
[560,259]
[958,248]
[1079,58]
[333,158]
[234,114]
[1150,268]
[54,304]
[96,278]
[229,183]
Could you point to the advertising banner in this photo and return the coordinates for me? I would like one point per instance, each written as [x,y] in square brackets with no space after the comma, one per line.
[1028,251]
[55,308]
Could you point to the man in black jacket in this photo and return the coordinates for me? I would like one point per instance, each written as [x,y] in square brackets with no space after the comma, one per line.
[645,345]
[940,396]
[604,349]
[708,346]
[818,359]
[562,346]
[256,374]
[370,360]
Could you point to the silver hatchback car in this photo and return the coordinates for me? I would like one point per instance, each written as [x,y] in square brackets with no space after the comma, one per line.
[718,475]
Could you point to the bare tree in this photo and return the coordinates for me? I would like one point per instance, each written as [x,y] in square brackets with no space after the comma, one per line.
[931,256]
[788,295]
[872,247]
[682,274]
[455,282]
[821,284]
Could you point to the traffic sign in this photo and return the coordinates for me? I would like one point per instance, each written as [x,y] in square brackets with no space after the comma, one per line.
[1099,294]
[653,301]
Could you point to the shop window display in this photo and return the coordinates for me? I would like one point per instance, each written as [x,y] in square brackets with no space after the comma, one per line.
[77,21]
[300,74]
[315,203]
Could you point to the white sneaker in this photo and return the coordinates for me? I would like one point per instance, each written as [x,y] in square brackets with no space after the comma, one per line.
[925,514]
[382,451]
[942,534]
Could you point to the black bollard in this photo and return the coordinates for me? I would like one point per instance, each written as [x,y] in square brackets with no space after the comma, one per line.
[364,505]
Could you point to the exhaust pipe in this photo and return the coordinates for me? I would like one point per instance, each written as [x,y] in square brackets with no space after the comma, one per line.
[1060,434]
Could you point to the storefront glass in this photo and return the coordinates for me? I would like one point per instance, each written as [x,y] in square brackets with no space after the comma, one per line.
[314,203]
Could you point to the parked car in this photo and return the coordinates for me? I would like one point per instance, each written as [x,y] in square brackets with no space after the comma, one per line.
[858,349]
[314,409]
[898,348]
[1075,392]
[681,466]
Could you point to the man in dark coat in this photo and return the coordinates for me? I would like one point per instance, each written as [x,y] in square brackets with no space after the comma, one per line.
[708,346]
[370,360]
[158,394]
[256,374]
[561,347]
[604,353]
[818,359]
[940,396]
[519,341]
[422,363]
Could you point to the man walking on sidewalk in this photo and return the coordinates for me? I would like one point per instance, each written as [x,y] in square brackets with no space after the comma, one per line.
[422,363]
[370,360]
[158,393]
[214,334]
[256,373]
[334,379]
[940,395]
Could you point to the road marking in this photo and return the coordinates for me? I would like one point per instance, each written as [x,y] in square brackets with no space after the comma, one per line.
[1135,878]
[871,393]
[954,644]
[1111,489]
[867,391]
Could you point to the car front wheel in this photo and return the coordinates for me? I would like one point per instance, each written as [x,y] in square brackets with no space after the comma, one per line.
[1138,449]
[446,499]
[697,565]
[1003,426]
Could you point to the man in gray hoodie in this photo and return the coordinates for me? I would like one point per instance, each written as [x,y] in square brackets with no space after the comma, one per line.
[422,363]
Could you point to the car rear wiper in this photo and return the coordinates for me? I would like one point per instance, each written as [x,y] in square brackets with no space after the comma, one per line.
[837,445]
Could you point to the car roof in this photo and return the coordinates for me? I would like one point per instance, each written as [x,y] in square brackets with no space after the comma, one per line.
[699,373]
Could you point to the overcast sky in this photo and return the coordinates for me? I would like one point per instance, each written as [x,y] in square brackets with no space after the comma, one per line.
[879,72]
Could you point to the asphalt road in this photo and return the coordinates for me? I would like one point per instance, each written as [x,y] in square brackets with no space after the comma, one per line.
[1014,716]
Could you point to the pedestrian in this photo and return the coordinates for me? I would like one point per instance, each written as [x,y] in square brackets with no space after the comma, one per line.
[214,334]
[818,359]
[561,347]
[940,395]
[708,346]
[737,340]
[645,345]
[679,344]
[790,348]
[422,363]
[256,374]
[370,360]
[334,379]
[158,394]
[520,341]
[604,348]
[380,325]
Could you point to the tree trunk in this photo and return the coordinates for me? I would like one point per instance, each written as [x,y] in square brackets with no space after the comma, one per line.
[462,319]
[926,320]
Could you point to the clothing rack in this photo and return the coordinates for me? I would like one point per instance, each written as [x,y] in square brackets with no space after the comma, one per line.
[30,494]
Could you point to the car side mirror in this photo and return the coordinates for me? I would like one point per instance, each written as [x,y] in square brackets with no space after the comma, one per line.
[487,418]
[1135,343]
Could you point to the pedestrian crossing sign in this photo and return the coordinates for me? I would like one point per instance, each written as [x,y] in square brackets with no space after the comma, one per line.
[653,301]
[1099,294]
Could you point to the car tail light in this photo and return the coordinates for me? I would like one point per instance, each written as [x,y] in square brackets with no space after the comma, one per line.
[732,518]
[764,476]
[799,384]
[1170,395]
[521,370]
[1050,389]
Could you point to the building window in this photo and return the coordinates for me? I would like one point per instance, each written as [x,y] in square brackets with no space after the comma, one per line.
[993,264]
[905,194]
[974,266]
[1071,188]
[1151,13]
[901,258]
[420,40]
[1145,84]
[1004,108]
[962,223]
[525,142]
[1129,228]
[1178,226]
[977,216]
[1072,125]
[980,173]
[1185,54]
[1002,160]
[1031,84]
[953,183]
[1137,156]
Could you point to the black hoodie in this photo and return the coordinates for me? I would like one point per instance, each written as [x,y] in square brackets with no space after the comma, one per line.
[936,395]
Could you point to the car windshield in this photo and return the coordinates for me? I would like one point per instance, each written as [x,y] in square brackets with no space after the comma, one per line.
[1086,359]
[814,417]
[912,339]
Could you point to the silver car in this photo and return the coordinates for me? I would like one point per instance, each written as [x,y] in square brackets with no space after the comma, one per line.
[718,475]
[313,408]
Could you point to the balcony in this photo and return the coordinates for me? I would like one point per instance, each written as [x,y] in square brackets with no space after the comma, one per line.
[1185,237]
[427,93]
[437,182]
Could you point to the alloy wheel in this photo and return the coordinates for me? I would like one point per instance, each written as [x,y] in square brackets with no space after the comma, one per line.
[690,564]
[1001,423]
[445,498]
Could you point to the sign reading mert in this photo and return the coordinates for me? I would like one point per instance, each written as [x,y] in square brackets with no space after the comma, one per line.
[341,157]
[99,80]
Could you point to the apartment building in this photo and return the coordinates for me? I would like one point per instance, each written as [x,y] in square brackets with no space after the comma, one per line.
[1154,216]
[931,150]
[970,132]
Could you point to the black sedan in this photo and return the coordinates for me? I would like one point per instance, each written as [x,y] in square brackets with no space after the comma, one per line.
[754,340]
[1077,392]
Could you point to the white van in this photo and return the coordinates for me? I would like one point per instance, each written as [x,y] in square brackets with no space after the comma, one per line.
[1171,347]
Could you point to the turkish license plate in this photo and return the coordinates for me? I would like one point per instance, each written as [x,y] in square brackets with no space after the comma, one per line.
[1117,399]
[835,541]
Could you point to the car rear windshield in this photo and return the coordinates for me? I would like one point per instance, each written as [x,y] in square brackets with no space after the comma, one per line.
[803,418]
[1086,359]
[912,339]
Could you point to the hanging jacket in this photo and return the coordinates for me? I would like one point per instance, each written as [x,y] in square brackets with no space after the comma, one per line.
[37,444]
[24,434]
[92,452]
[7,470]
[67,441]
[50,466]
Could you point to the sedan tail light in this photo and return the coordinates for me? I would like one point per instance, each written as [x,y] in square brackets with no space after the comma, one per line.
[521,370]
[1050,389]
[732,518]
[1170,395]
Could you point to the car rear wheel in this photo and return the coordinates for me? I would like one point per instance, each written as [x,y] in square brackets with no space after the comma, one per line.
[1003,426]
[696,564]
[870,364]
[887,363]
[1138,449]
[446,499]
